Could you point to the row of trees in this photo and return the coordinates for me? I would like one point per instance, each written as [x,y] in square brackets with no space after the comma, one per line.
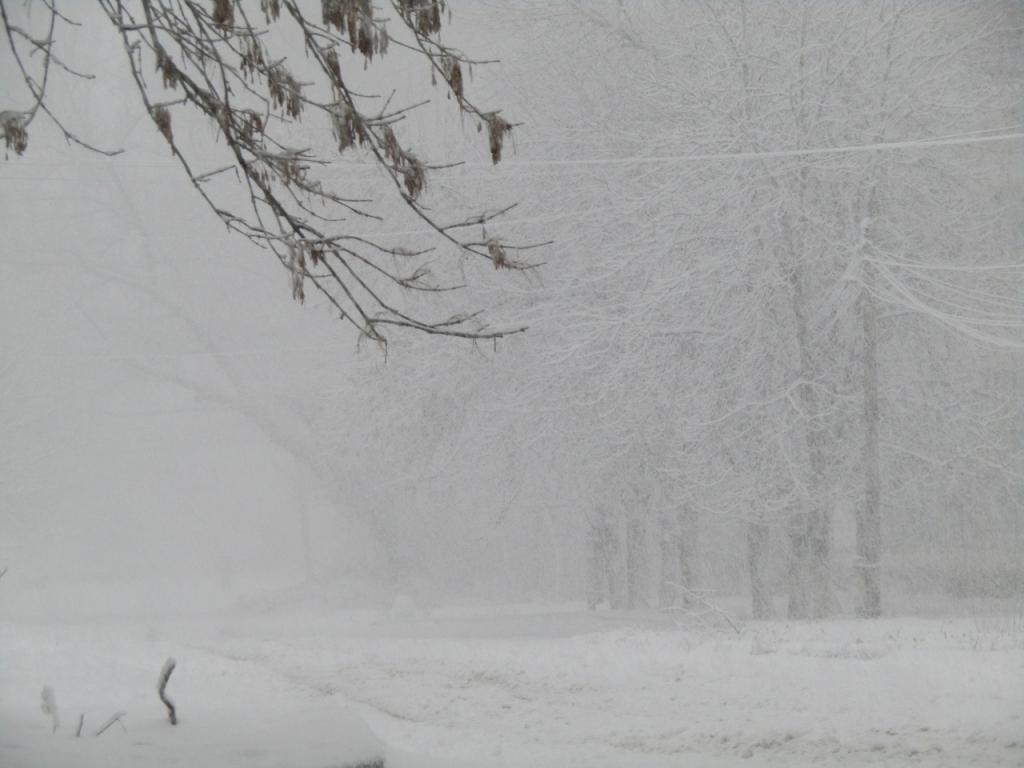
[784,321]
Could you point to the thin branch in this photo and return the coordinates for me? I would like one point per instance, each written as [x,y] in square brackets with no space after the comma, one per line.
[115,718]
[161,689]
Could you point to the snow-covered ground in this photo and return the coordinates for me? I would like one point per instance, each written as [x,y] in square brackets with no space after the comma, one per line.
[516,686]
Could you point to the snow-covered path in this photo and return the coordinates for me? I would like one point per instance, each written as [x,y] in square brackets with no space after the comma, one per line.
[557,692]
[544,688]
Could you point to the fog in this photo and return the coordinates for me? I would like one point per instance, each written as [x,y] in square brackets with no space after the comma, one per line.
[772,372]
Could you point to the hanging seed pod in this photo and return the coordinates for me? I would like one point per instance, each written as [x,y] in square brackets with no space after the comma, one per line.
[251,125]
[167,69]
[333,66]
[348,127]
[12,127]
[413,175]
[333,14]
[498,255]
[285,91]
[252,59]
[223,13]
[392,149]
[297,268]
[162,117]
[271,9]
[455,79]
[352,23]
[497,127]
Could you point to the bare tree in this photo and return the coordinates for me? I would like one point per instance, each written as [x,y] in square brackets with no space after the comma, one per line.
[219,61]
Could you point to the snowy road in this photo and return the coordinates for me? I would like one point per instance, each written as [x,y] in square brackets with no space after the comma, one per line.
[898,691]
[557,688]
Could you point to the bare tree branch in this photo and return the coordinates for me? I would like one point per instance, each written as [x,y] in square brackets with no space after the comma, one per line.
[217,62]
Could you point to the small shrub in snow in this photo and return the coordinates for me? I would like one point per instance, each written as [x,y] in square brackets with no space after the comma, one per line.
[49,706]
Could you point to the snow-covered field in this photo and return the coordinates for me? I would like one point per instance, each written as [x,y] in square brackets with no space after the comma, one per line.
[516,686]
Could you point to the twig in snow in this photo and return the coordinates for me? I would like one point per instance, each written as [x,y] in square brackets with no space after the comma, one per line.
[81,721]
[3,571]
[165,675]
[114,718]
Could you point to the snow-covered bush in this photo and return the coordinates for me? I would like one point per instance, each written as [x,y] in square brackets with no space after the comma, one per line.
[49,706]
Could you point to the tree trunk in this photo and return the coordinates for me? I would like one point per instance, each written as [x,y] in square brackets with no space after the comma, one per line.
[597,566]
[634,561]
[666,550]
[797,575]
[869,516]
[810,572]
[810,530]
[686,552]
[760,595]
[603,581]
[819,565]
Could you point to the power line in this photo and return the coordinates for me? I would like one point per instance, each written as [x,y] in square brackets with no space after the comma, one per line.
[883,146]
[971,137]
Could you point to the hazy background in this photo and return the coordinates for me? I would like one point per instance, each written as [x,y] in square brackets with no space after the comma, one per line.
[177,433]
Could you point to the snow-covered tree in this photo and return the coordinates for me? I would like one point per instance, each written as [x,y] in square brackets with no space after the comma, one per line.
[783,205]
